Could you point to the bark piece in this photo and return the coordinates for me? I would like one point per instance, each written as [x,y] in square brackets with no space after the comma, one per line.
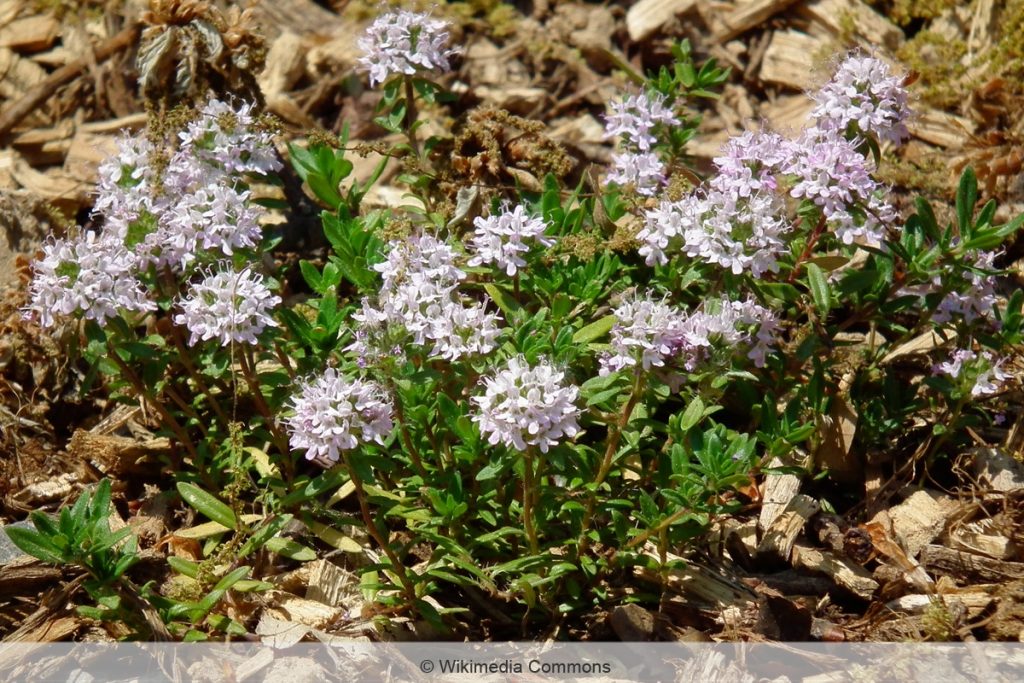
[30,34]
[330,584]
[647,16]
[923,343]
[788,114]
[777,543]
[975,603]
[790,59]
[941,128]
[295,610]
[709,587]
[961,565]
[747,16]
[919,519]
[632,623]
[867,25]
[844,573]
[86,153]
[25,575]
[779,490]
[982,538]
[286,61]
[997,470]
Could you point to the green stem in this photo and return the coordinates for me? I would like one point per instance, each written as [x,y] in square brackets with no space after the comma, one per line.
[186,361]
[248,364]
[614,437]
[529,498]
[403,431]
[371,528]
[165,415]
[410,118]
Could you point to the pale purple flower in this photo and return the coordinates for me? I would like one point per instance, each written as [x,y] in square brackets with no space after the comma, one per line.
[229,307]
[990,376]
[642,171]
[419,298]
[863,91]
[651,334]
[525,406]
[464,330]
[335,413]
[647,332]
[721,227]
[635,117]
[976,299]
[90,275]
[865,225]
[423,256]
[127,180]
[402,43]
[503,238]
[830,171]
[229,139]
[727,325]
[751,162]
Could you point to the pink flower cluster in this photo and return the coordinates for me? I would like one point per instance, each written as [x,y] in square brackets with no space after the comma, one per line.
[182,215]
[739,220]
[634,121]
[649,333]
[404,43]
[419,300]
[525,406]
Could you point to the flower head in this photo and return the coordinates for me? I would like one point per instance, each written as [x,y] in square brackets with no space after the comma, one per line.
[90,274]
[718,226]
[977,298]
[502,239]
[229,307]
[987,371]
[863,91]
[647,332]
[335,413]
[635,117]
[404,42]
[230,140]
[751,162]
[525,406]
[830,171]
[419,298]
[643,171]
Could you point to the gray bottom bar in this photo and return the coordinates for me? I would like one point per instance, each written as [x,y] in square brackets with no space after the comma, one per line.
[520,662]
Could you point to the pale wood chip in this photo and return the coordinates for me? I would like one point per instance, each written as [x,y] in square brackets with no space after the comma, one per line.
[30,34]
[790,59]
[845,573]
[747,16]
[646,17]
[869,27]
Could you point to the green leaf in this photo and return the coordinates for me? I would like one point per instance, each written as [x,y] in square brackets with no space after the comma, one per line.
[819,288]
[206,504]
[290,549]
[183,566]
[508,305]
[966,198]
[594,330]
[692,415]
[34,544]
[215,595]
[312,276]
